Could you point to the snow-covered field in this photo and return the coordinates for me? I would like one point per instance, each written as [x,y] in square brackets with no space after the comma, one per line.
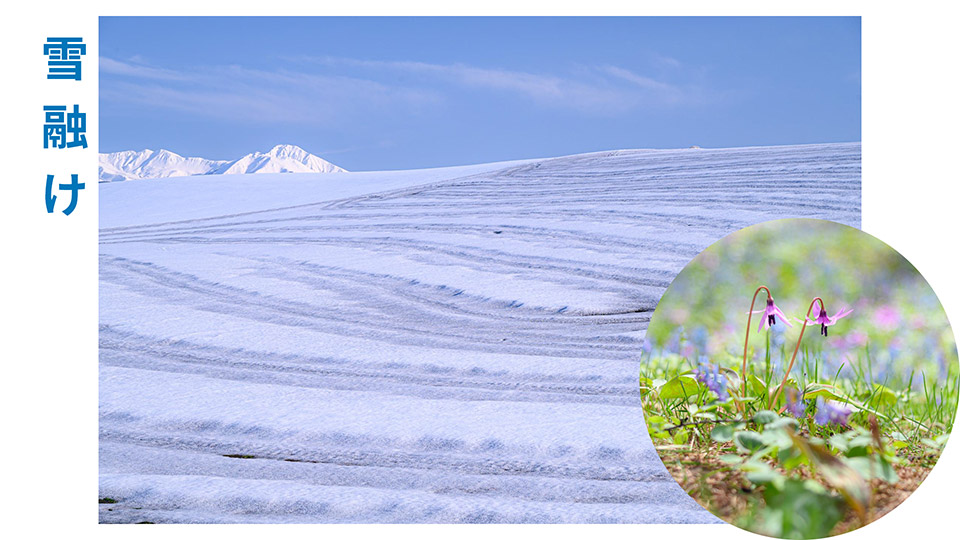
[445,345]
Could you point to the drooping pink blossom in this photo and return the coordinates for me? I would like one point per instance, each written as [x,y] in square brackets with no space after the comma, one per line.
[770,315]
[824,321]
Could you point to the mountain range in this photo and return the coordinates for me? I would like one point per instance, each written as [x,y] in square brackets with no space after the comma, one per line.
[134,165]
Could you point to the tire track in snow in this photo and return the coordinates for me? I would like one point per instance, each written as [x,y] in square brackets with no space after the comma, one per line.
[131,350]
[372,322]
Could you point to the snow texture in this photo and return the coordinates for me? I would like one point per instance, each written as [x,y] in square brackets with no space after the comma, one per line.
[133,165]
[445,345]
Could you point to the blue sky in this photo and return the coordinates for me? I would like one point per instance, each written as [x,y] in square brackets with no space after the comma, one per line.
[399,93]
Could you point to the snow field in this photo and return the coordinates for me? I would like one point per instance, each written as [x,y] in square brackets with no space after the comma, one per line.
[446,345]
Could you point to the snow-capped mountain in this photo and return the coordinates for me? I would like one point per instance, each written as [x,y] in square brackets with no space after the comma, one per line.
[281,158]
[133,165]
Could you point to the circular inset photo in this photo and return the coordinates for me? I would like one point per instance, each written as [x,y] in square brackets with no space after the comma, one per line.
[799,378]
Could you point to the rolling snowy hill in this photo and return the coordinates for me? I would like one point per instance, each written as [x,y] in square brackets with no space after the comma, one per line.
[444,345]
[283,158]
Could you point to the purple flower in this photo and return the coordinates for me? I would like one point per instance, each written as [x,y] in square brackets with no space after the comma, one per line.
[770,315]
[824,321]
[796,407]
[709,375]
[832,412]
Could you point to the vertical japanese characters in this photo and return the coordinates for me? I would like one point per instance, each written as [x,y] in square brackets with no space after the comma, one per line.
[64,127]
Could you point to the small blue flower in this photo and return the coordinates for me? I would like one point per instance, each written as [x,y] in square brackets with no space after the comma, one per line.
[795,406]
[832,412]
[673,344]
[699,337]
[709,375]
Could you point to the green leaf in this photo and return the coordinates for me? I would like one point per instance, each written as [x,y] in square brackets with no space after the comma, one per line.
[800,509]
[777,438]
[759,472]
[838,473]
[863,465]
[731,459]
[931,443]
[756,385]
[859,446]
[765,417]
[748,441]
[871,467]
[861,441]
[839,442]
[886,471]
[782,423]
[791,458]
[827,391]
[680,387]
[732,376]
[722,433]
[882,395]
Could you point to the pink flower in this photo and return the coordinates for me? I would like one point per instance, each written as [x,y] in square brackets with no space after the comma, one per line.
[887,317]
[770,315]
[857,339]
[824,321]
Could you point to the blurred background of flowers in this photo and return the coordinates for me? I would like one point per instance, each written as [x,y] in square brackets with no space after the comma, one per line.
[898,334]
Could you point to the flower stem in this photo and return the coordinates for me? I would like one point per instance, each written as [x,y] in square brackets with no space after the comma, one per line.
[746,340]
[795,349]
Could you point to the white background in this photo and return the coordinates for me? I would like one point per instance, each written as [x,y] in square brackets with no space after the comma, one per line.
[49,262]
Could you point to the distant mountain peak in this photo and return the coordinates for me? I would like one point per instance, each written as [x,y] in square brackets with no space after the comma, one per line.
[282,158]
[285,150]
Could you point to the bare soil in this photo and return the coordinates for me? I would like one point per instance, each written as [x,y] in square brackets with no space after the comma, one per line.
[725,491]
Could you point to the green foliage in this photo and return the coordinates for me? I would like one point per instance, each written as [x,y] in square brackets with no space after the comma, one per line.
[765,417]
[807,477]
[890,368]
[798,509]
[722,433]
[747,441]
[679,387]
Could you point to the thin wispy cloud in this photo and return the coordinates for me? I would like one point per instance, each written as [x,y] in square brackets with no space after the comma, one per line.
[116,67]
[639,80]
[337,88]
[602,89]
[243,94]
[667,61]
